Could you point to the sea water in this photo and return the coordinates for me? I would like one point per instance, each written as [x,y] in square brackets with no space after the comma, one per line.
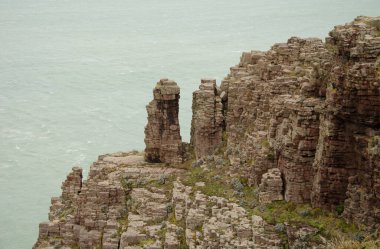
[75,76]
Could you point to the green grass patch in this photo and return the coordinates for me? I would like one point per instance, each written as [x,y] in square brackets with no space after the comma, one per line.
[218,182]
[146,242]
[161,234]
[265,143]
[329,224]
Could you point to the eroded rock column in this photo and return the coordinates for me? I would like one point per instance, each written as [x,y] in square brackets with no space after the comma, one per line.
[162,133]
[207,121]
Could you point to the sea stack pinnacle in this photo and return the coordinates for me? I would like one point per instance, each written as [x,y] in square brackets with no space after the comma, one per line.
[162,133]
[207,122]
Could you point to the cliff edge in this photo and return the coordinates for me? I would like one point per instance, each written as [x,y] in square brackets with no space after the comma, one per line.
[284,154]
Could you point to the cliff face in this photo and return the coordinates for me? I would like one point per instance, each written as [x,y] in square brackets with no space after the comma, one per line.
[345,169]
[313,111]
[290,132]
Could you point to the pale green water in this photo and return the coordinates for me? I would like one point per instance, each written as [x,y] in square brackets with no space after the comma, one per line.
[75,77]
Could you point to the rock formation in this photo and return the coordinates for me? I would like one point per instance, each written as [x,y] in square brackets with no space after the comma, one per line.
[271,186]
[91,213]
[345,167]
[162,133]
[271,115]
[207,122]
[312,110]
[300,123]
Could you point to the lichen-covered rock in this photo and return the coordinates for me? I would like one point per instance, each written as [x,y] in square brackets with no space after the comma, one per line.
[214,222]
[302,237]
[207,121]
[162,133]
[271,187]
[264,235]
[181,198]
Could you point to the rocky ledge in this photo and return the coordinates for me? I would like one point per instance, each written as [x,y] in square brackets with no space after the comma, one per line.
[284,154]
[128,203]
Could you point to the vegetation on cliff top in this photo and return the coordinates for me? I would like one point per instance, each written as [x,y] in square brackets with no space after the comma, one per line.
[331,226]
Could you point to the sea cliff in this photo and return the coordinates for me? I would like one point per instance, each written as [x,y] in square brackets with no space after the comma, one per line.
[285,153]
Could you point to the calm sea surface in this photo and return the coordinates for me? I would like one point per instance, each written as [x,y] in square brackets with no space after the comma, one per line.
[75,76]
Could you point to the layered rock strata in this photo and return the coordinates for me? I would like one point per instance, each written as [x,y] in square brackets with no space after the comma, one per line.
[95,213]
[312,110]
[162,133]
[207,122]
[272,118]
[302,123]
[271,187]
[344,164]
[127,203]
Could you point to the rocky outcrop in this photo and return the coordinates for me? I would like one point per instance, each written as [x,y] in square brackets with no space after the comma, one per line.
[264,235]
[311,109]
[272,118]
[362,204]
[300,123]
[299,237]
[214,222]
[350,120]
[72,186]
[207,122]
[127,203]
[162,133]
[271,187]
[95,213]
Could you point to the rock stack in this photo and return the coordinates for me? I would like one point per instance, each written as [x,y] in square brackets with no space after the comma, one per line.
[162,133]
[207,122]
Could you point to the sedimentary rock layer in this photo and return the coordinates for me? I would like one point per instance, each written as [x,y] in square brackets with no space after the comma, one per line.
[312,109]
[90,214]
[302,124]
[271,187]
[207,122]
[162,133]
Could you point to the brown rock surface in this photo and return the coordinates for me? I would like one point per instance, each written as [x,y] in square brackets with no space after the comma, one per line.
[127,205]
[350,123]
[207,122]
[311,109]
[271,114]
[92,212]
[302,124]
[271,187]
[162,133]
